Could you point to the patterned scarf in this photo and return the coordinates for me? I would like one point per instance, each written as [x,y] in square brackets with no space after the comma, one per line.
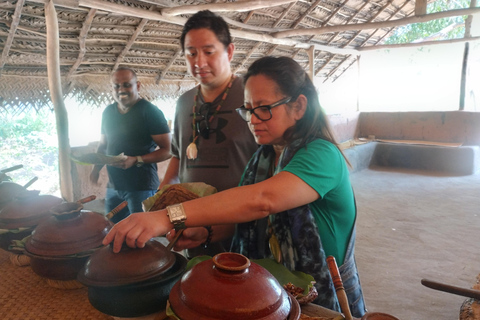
[295,229]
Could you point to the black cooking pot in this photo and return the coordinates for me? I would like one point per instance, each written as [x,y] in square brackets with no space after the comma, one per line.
[133,282]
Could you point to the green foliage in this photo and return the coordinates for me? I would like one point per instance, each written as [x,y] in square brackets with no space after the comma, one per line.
[416,31]
[30,140]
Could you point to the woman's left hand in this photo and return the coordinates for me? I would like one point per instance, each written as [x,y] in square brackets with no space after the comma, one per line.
[191,238]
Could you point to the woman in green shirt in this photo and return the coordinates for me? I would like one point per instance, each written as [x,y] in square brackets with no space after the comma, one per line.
[294,193]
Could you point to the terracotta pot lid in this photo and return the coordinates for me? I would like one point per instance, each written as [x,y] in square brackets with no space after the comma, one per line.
[69,230]
[229,286]
[378,316]
[105,268]
[8,191]
[27,210]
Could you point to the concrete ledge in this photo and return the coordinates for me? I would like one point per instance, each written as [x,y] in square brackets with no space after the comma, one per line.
[360,156]
[464,160]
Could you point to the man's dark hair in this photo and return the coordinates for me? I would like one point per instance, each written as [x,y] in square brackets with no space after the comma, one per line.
[207,20]
[126,69]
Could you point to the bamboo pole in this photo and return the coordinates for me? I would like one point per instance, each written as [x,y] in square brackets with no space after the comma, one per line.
[311,62]
[225,7]
[463,79]
[55,86]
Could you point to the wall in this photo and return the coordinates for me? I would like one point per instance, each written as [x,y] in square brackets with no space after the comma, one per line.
[344,125]
[451,126]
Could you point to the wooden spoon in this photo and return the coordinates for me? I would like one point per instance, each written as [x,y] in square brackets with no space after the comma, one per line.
[470,293]
[338,283]
[116,210]
[177,236]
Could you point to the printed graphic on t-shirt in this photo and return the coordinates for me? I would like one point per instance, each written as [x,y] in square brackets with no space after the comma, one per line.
[210,158]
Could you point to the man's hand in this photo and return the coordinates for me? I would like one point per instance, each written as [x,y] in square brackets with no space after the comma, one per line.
[125,164]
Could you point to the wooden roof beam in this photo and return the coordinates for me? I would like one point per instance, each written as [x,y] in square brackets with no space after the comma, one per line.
[164,72]
[225,7]
[421,7]
[284,13]
[376,25]
[156,16]
[131,41]
[371,20]
[81,39]
[306,13]
[468,21]
[249,54]
[11,35]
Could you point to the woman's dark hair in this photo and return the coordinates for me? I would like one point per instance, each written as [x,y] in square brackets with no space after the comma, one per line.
[293,81]
[208,20]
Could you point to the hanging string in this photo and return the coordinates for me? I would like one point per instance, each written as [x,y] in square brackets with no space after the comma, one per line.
[192,149]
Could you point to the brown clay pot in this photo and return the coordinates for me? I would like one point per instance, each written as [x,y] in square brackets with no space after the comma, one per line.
[60,246]
[133,282]
[27,210]
[230,286]
[8,191]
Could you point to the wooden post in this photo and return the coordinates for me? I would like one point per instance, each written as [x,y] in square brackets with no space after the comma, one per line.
[55,86]
[311,62]
[420,7]
[463,80]
[359,75]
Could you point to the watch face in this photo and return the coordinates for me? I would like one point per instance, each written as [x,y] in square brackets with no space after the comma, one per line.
[175,213]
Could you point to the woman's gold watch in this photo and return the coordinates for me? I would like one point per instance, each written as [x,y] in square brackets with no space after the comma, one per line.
[177,216]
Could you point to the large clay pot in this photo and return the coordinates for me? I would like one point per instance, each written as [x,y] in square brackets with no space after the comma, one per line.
[19,217]
[378,316]
[230,286]
[8,191]
[60,246]
[133,282]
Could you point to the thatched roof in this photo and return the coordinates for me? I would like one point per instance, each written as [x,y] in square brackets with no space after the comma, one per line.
[97,36]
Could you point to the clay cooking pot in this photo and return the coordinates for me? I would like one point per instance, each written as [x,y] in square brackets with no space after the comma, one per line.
[134,282]
[26,211]
[230,286]
[60,246]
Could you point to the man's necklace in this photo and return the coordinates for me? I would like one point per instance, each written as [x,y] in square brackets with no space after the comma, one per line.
[192,149]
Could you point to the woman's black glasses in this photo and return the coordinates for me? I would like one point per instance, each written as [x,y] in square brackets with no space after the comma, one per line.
[202,117]
[263,113]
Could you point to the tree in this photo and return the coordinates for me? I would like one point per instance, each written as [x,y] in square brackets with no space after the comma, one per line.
[440,29]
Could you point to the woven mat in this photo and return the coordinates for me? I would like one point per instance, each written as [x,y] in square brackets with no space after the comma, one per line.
[24,296]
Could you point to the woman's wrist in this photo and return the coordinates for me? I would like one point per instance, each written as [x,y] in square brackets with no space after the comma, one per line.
[164,220]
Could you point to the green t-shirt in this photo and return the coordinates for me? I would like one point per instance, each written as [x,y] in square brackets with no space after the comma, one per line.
[322,166]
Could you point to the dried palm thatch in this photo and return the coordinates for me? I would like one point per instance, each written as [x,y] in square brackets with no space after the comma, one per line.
[97,36]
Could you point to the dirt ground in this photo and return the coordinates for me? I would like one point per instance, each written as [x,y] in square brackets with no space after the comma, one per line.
[415,225]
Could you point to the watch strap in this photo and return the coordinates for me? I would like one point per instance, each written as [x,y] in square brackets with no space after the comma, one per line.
[140,161]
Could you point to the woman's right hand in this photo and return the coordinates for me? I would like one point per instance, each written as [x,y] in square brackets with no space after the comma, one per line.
[190,238]
[137,229]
